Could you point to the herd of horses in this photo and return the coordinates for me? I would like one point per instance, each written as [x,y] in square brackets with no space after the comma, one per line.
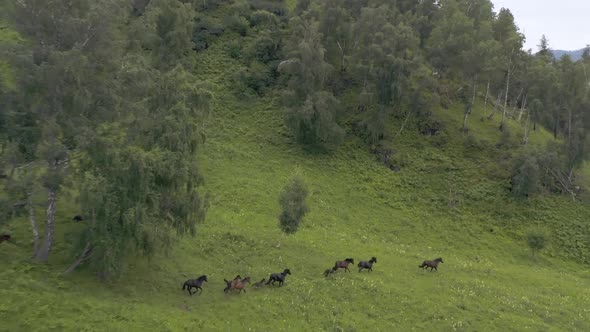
[238,284]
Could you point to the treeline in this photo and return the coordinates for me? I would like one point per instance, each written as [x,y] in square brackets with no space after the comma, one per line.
[106,103]
[409,57]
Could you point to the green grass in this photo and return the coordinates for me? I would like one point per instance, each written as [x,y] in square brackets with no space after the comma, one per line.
[359,208]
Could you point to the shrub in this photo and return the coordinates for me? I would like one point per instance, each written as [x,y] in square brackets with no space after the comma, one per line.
[237,23]
[265,48]
[205,31]
[234,49]
[254,79]
[293,204]
[277,7]
[537,240]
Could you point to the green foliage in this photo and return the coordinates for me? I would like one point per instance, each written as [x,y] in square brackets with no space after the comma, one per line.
[277,7]
[205,31]
[537,240]
[140,194]
[293,204]
[526,178]
[237,24]
[174,29]
[313,123]
[311,111]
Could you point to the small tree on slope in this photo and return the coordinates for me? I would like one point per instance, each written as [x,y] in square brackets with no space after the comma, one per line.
[293,205]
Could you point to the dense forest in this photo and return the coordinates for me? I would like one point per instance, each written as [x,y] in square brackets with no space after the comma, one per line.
[107,108]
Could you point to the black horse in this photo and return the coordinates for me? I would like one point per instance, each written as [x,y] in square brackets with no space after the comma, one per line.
[344,264]
[280,277]
[367,265]
[196,283]
[4,237]
[433,264]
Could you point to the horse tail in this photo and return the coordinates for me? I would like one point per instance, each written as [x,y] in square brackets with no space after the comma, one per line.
[423,264]
[184,286]
[336,265]
[360,264]
[269,280]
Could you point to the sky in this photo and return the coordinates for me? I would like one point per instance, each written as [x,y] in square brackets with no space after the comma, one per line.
[566,23]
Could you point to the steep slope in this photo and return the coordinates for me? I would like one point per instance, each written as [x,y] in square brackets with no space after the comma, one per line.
[359,208]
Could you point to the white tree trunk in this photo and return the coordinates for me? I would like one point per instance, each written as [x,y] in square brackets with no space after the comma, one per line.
[485,104]
[33,220]
[43,252]
[522,107]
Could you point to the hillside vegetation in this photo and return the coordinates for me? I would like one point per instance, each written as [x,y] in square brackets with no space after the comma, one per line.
[404,197]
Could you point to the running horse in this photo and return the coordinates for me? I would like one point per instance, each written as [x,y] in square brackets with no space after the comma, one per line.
[344,264]
[433,264]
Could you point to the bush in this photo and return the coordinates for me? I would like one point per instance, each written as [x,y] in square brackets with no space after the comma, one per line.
[262,19]
[237,23]
[234,48]
[293,204]
[265,48]
[205,31]
[537,240]
[255,79]
[277,7]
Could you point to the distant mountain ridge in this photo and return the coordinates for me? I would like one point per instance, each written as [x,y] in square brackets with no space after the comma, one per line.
[575,55]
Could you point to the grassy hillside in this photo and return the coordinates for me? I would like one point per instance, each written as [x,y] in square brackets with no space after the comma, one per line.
[359,208]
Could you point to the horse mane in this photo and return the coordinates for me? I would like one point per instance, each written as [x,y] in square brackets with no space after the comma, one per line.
[202,277]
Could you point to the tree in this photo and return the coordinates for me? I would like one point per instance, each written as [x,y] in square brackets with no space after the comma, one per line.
[66,84]
[293,205]
[311,110]
[544,50]
[526,178]
[174,30]
[140,186]
[511,40]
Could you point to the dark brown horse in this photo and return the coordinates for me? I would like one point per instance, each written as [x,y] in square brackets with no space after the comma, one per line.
[196,283]
[367,265]
[433,264]
[344,264]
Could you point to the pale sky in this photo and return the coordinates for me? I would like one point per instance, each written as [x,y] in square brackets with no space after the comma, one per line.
[566,23]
